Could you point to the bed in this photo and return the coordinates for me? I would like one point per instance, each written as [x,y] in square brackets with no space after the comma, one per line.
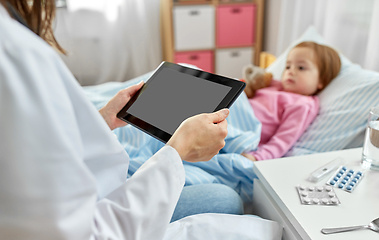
[340,124]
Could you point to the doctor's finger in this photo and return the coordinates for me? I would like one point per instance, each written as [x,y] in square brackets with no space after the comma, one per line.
[223,124]
[222,127]
[130,91]
[219,116]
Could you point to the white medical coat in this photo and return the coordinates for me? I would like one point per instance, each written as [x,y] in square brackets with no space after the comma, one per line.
[63,172]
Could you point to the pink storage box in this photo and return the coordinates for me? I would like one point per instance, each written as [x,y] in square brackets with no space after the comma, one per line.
[235,25]
[201,59]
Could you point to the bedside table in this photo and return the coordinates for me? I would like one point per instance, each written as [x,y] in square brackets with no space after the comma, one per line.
[275,197]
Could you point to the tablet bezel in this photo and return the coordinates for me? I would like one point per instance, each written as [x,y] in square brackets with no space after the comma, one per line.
[236,89]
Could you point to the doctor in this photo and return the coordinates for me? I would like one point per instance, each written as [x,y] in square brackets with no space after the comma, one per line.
[62,171]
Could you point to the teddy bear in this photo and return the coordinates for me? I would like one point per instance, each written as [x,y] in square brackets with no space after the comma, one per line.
[255,78]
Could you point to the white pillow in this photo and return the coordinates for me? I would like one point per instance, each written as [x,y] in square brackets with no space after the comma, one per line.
[344,104]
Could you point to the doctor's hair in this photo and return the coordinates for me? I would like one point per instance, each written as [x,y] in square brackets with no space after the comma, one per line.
[38,16]
[327,61]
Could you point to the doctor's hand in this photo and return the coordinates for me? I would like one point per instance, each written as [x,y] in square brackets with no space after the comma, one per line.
[110,110]
[199,138]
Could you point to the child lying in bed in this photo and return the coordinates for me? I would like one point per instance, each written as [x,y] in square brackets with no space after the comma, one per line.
[287,107]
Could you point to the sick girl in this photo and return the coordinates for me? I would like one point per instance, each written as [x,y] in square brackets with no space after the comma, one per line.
[287,107]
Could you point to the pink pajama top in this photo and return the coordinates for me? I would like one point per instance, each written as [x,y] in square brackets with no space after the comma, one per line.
[284,117]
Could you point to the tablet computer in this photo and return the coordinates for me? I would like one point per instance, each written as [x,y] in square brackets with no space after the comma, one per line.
[174,93]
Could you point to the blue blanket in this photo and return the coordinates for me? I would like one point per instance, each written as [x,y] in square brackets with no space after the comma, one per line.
[228,167]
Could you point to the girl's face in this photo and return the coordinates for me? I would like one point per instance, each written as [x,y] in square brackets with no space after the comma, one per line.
[301,74]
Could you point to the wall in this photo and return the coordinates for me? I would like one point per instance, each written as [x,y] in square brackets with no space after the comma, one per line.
[116,42]
[271,25]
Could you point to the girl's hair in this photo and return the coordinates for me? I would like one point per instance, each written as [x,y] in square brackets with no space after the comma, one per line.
[327,60]
[39,15]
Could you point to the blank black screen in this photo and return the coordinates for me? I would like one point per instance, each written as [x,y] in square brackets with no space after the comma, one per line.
[172,97]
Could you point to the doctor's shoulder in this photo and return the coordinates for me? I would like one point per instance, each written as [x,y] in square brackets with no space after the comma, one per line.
[17,40]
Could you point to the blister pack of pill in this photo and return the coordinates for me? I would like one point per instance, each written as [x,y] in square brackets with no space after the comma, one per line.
[317,195]
[345,179]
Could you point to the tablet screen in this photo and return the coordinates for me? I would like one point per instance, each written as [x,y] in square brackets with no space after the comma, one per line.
[179,93]
[174,93]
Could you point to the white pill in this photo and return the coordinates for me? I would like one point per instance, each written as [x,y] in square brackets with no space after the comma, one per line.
[328,188]
[307,200]
[331,194]
[316,200]
[304,193]
[325,201]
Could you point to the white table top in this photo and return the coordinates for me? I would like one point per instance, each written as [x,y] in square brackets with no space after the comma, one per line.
[281,176]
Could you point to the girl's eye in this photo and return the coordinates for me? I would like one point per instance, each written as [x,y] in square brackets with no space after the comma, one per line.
[301,68]
[287,67]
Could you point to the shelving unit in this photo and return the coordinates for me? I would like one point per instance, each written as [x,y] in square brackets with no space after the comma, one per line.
[219,36]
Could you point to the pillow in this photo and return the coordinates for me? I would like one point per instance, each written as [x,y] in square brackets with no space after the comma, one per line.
[344,104]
